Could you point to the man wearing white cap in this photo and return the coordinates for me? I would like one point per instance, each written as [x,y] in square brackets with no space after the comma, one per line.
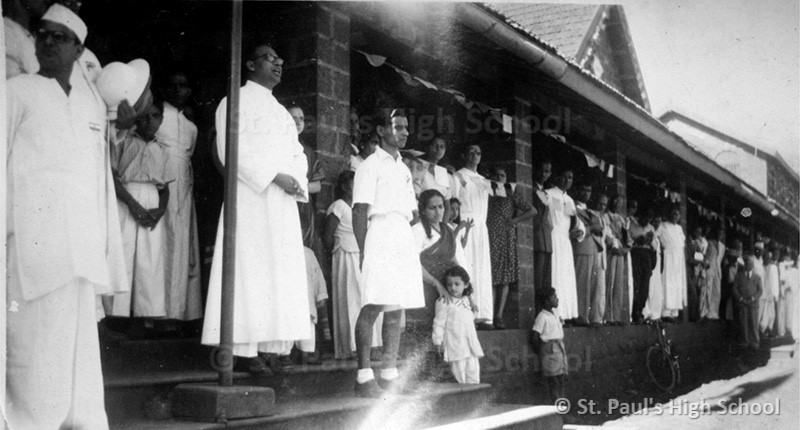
[62,234]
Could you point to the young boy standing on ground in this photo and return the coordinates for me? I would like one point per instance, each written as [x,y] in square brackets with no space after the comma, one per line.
[548,339]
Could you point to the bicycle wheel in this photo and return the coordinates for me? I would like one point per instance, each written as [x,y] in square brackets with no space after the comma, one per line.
[661,367]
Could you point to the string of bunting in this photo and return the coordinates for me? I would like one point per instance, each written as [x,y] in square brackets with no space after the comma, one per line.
[672,196]
[709,214]
[379,60]
[591,159]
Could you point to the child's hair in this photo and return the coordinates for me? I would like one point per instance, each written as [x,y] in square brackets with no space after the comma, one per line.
[458,272]
[424,199]
[453,200]
[345,177]
[545,294]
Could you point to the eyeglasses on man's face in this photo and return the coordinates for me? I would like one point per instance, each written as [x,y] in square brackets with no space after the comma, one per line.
[270,58]
[58,36]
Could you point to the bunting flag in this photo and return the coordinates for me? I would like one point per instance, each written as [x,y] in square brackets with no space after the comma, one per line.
[378,60]
[508,123]
[427,84]
[375,60]
[591,159]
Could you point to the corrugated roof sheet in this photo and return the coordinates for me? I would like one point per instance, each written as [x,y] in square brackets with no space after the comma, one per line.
[564,26]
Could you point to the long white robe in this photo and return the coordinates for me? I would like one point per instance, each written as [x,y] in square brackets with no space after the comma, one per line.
[182,249]
[674,276]
[766,304]
[474,198]
[271,292]
[64,246]
[562,209]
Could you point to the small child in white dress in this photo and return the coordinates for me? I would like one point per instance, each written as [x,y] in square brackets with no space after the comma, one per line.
[454,328]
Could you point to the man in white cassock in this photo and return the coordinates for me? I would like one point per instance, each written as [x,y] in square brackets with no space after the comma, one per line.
[271,296]
[63,236]
[566,227]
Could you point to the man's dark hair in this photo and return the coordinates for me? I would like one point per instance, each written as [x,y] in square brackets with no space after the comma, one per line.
[374,118]
[545,294]
[539,162]
[249,52]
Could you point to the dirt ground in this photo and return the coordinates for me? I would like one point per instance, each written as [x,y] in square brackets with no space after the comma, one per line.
[766,397]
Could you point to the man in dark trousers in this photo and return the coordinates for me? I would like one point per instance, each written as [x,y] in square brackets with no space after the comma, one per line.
[747,289]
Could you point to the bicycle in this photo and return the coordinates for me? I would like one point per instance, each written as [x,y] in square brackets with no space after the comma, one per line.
[662,360]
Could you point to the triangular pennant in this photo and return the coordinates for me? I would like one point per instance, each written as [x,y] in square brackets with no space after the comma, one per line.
[406,76]
[375,60]
[426,83]
[455,93]
[610,172]
[591,160]
[464,102]
[508,124]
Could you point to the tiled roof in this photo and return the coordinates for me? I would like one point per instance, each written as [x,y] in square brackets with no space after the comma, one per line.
[564,26]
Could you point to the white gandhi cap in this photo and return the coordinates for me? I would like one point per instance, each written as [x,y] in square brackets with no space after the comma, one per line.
[62,15]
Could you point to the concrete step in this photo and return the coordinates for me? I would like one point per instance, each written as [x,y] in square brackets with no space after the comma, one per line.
[154,355]
[128,394]
[422,404]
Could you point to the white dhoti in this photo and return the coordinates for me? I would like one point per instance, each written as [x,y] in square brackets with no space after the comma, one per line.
[392,271]
[144,258]
[53,375]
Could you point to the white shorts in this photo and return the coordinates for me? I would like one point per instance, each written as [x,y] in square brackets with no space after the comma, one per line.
[392,270]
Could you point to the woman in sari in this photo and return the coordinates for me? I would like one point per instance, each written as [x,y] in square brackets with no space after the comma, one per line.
[440,248]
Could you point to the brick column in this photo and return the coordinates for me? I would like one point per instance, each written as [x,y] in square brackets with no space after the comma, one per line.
[317,78]
[524,179]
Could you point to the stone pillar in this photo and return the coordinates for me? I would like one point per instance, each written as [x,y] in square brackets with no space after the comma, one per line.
[524,180]
[317,78]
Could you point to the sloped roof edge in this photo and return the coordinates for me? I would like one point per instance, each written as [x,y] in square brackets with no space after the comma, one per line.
[573,76]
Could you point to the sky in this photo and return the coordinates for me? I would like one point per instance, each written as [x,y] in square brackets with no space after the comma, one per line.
[731,64]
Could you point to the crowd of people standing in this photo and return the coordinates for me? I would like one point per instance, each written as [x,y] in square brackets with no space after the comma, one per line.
[119,237]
